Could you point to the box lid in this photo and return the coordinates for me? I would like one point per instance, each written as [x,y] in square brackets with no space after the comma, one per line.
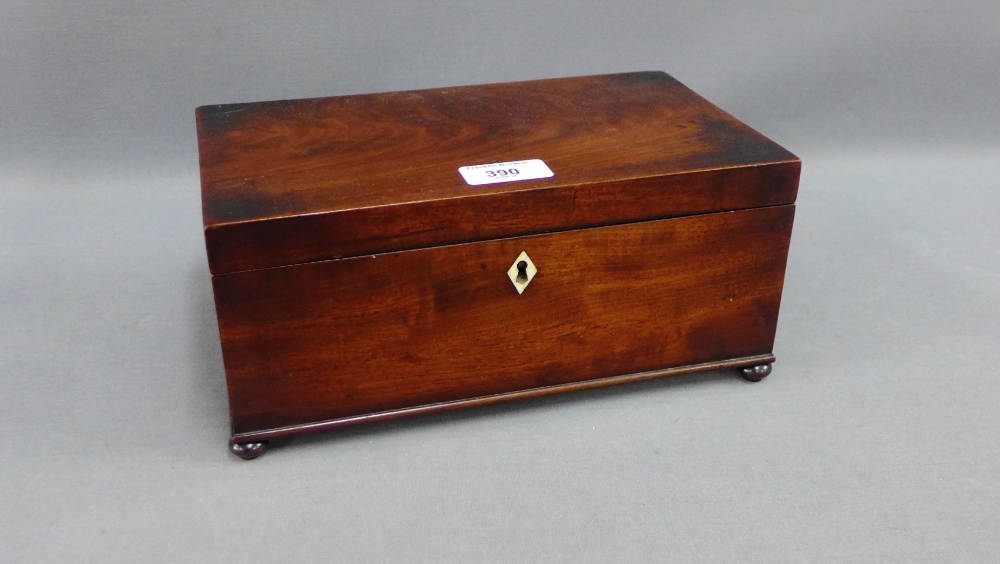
[295,181]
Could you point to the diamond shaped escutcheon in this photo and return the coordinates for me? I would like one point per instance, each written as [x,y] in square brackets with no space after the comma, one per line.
[521,272]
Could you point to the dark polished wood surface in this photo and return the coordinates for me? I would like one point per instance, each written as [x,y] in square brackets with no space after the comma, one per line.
[247,442]
[297,181]
[248,450]
[342,338]
[756,373]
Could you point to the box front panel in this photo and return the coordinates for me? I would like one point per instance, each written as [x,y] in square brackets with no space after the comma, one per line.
[334,339]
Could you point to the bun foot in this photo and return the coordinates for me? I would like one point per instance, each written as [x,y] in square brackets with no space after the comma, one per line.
[755,373]
[248,451]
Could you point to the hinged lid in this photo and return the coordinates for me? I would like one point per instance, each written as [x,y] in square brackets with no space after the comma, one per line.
[295,181]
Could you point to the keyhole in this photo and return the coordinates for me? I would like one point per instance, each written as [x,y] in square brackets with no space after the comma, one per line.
[522,272]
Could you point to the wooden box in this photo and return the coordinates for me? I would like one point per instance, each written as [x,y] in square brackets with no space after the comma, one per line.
[626,229]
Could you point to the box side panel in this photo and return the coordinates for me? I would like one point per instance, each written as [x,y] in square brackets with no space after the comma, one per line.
[300,239]
[335,339]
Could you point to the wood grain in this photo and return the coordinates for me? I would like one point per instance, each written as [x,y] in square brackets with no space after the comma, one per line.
[342,338]
[246,445]
[296,181]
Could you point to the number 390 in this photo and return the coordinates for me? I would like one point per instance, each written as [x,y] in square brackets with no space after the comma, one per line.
[501,172]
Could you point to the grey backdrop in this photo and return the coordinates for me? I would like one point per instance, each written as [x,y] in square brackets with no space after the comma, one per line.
[873,441]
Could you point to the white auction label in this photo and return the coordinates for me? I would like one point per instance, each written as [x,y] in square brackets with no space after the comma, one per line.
[478,175]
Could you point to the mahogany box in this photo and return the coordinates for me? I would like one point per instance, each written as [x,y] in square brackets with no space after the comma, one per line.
[386,255]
